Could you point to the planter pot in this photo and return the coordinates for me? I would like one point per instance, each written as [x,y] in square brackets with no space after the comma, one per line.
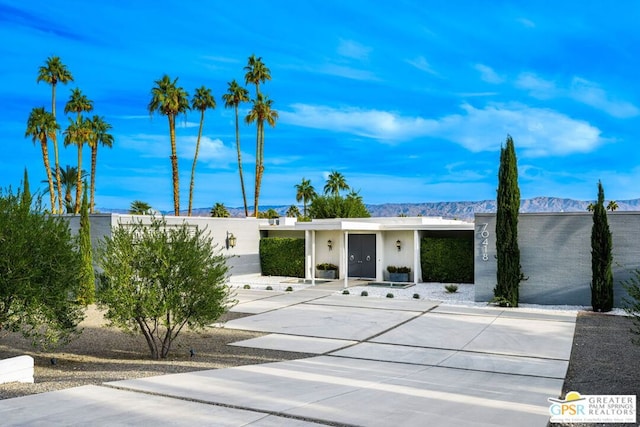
[399,277]
[326,274]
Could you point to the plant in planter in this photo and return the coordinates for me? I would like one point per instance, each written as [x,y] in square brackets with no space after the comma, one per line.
[326,270]
[398,274]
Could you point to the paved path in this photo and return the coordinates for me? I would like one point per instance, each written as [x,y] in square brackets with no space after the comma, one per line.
[381,362]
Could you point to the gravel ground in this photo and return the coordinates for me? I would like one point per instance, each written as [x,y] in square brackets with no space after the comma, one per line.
[603,359]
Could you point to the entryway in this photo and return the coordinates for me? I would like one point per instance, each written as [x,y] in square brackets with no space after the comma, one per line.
[362,255]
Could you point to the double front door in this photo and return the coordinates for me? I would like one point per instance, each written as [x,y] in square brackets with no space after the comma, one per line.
[362,255]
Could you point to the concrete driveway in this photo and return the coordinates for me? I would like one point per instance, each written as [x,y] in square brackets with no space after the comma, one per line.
[380,362]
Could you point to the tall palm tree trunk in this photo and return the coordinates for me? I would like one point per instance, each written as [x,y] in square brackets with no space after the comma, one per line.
[79,182]
[259,164]
[55,151]
[174,164]
[92,187]
[47,167]
[195,159]
[244,193]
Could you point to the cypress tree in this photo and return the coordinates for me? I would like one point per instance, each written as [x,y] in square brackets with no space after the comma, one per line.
[87,284]
[601,258]
[509,272]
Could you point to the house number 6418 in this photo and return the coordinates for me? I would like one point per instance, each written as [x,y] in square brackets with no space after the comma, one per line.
[484,245]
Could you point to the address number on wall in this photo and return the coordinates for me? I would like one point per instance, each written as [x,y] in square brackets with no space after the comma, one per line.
[483,234]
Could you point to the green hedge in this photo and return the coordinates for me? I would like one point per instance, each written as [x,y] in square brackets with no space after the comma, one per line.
[281,256]
[447,259]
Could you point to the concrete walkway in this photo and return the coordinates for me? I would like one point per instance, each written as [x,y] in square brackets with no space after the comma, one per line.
[380,362]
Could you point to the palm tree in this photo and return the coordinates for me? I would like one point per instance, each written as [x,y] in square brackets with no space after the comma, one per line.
[79,103]
[41,125]
[293,212]
[170,100]
[260,113]
[99,136]
[202,100]
[52,72]
[219,211]
[256,72]
[354,196]
[139,207]
[335,183]
[305,193]
[234,96]
[69,180]
[612,205]
[78,133]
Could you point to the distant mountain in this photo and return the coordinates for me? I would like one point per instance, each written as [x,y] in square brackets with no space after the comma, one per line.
[458,210]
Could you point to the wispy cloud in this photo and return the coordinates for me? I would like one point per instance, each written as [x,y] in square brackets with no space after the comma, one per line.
[540,132]
[527,22]
[422,64]
[353,49]
[488,74]
[593,95]
[580,90]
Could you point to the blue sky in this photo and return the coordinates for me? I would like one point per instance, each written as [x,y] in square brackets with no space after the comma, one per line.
[409,100]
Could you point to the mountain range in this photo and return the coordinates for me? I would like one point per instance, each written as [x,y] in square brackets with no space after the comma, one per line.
[457,210]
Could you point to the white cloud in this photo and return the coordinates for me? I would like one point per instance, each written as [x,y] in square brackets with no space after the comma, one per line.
[422,64]
[590,93]
[537,86]
[538,132]
[579,89]
[382,125]
[346,72]
[212,153]
[488,74]
[527,22]
[353,49]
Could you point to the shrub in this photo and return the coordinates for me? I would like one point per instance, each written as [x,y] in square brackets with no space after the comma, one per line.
[269,288]
[416,296]
[159,279]
[345,292]
[326,266]
[364,294]
[447,259]
[392,269]
[281,256]
[452,289]
[246,287]
[401,270]
[40,272]
[289,289]
[632,303]
[390,295]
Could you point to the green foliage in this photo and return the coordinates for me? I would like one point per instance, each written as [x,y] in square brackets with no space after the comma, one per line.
[158,279]
[364,294]
[345,292]
[509,271]
[401,270]
[632,303]
[601,258]
[282,256]
[447,259]
[451,289]
[336,206]
[138,207]
[269,288]
[326,266]
[390,295]
[289,289]
[40,270]
[219,211]
[88,280]
[246,287]
[269,214]
[416,296]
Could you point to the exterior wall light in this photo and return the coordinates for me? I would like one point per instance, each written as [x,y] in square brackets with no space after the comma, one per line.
[231,240]
[330,244]
[398,245]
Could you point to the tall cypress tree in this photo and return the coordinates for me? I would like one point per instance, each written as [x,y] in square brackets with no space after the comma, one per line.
[87,284]
[509,272]
[601,258]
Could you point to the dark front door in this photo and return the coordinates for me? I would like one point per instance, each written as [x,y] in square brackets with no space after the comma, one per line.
[362,255]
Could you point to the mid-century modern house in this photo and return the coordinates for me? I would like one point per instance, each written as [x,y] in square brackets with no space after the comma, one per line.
[555,248]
